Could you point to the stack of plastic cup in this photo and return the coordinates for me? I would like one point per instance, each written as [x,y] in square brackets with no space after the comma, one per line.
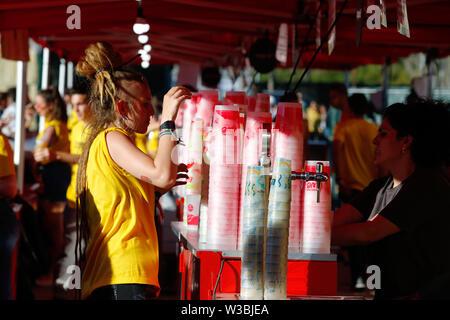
[253,234]
[251,103]
[207,133]
[276,254]
[224,178]
[189,112]
[251,149]
[288,144]
[194,159]
[179,118]
[235,97]
[316,221]
[206,101]
[262,102]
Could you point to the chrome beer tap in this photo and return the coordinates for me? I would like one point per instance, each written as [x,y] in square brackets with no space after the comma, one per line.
[319,176]
[264,160]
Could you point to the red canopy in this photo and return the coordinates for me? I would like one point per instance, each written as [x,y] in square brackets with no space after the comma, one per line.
[222,31]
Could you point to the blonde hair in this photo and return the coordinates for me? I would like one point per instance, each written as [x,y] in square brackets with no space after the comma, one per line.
[104,69]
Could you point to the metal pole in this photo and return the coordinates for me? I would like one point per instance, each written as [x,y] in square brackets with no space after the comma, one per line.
[430,71]
[70,75]
[347,79]
[62,76]
[44,79]
[19,136]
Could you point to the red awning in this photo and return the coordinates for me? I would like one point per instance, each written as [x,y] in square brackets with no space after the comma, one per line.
[197,31]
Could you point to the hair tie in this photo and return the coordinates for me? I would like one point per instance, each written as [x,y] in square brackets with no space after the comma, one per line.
[103,69]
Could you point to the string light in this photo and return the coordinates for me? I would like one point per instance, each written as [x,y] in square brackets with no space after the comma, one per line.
[141,25]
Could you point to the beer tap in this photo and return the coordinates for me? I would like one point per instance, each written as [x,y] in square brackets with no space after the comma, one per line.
[319,176]
[264,160]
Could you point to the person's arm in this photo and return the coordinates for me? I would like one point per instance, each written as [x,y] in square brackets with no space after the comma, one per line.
[346,214]
[364,232]
[162,171]
[8,186]
[47,155]
[48,137]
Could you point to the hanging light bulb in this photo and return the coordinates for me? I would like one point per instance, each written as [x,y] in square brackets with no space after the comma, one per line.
[145,57]
[145,64]
[148,48]
[143,38]
[141,25]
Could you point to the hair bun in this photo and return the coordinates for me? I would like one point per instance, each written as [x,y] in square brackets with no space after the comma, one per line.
[97,56]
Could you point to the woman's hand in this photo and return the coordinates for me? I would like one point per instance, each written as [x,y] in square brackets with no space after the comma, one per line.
[181,174]
[172,101]
[44,155]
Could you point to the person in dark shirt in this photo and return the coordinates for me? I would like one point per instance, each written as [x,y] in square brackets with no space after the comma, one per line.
[404,218]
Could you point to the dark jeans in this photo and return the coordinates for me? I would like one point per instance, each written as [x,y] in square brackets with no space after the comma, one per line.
[127,291]
[9,235]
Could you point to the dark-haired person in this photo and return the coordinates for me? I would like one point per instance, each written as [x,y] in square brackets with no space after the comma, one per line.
[116,181]
[353,154]
[55,173]
[404,218]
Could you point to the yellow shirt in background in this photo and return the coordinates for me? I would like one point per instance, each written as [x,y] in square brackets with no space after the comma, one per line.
[356,158]
[7,167]
[313,117]
[61,140]
[152,143]
[123,244]
[78,137]
[73,120]
[141,141]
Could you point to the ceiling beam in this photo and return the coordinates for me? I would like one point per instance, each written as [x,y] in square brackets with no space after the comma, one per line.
[34,4]
[234,8]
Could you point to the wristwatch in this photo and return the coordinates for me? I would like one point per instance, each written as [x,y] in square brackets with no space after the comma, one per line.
[168,125]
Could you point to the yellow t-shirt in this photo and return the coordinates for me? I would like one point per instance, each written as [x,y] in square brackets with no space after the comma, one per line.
[313,116]
[78,137]
[7,167]
[61,141]
[73,120]
[356,158]
[123,244]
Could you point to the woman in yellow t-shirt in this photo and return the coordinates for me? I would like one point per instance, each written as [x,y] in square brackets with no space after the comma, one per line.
[77,138]
[116,181]
[55,174]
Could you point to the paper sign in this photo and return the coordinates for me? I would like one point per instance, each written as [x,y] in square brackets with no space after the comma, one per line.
[383,14]
[331,19]
[282,44]
[402,18]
